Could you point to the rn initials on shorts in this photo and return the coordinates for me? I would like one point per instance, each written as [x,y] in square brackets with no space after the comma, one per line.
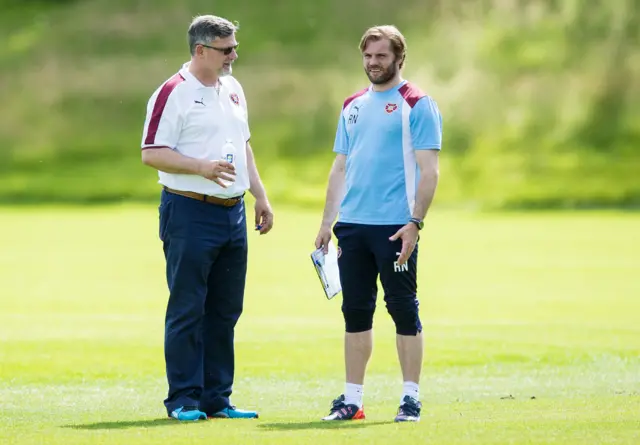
[399,268]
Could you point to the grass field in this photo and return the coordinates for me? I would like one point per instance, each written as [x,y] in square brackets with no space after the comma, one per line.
[532,325]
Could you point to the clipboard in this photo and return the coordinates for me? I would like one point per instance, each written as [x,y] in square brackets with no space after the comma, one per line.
[326,267]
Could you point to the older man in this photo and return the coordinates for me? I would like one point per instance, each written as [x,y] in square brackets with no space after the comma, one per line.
[196,134]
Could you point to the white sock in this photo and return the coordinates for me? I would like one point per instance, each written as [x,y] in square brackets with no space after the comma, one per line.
[353,394]
[410,389]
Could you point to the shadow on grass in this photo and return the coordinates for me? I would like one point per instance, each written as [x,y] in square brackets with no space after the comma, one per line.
[275,426]
[320,425]
[124,424]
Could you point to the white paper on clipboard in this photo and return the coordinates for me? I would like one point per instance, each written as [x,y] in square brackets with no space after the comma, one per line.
[327,269]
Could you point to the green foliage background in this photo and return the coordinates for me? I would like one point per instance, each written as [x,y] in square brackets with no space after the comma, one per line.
[540,98]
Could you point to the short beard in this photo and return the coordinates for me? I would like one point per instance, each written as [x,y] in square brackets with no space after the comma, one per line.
[386,76]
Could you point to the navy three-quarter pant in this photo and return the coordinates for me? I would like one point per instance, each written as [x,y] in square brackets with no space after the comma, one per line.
[205,247]
[365,253]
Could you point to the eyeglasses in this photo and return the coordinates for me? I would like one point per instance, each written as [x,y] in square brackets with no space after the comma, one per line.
[226,51]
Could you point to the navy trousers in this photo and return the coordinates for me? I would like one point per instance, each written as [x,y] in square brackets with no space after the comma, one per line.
[205,247]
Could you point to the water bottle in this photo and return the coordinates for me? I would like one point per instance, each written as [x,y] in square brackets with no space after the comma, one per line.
[228,155]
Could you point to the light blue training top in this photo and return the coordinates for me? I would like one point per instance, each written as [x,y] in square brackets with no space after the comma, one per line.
[379,132]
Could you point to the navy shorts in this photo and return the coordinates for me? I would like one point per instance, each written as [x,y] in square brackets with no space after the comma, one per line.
[364,253]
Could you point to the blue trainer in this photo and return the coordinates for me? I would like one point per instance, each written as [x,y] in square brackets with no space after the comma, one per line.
[188,414]
[231,412]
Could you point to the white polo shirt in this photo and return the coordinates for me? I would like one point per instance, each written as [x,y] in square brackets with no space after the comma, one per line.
[196,121]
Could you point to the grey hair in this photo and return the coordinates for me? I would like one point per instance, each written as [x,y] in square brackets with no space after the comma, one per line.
[206,28]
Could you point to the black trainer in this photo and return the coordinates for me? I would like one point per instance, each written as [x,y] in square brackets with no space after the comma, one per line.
[409,410]
[341,411]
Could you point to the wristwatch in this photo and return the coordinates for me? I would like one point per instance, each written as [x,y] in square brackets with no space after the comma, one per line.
[418,222]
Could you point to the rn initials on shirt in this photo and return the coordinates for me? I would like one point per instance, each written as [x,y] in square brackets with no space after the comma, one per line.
[353,116]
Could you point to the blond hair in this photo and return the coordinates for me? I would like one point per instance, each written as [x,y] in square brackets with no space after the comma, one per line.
[389,32]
